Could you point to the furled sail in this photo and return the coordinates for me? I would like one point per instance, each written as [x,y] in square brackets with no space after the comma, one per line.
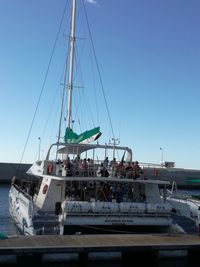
[83,138]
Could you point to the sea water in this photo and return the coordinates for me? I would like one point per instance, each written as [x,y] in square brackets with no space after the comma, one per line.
[7,226]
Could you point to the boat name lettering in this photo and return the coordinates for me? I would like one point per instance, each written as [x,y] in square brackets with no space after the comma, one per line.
[119,221]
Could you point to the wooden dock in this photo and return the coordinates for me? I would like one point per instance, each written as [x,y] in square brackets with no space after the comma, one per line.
[24,247]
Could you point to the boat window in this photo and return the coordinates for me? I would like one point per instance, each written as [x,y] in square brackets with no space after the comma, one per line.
[104,191]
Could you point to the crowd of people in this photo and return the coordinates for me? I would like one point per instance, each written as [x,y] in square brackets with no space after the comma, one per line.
[122,169]
[105,191]
[78,166]
[113,168]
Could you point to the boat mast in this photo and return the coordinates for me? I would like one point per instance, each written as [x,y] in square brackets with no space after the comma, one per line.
[71,62]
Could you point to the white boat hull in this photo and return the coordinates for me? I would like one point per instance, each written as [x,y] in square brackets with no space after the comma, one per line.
[20,210]
[32,222]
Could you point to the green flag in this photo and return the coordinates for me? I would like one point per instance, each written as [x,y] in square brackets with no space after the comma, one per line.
[83,138]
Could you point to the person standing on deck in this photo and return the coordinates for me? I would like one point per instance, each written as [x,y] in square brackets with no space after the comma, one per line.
[137,169]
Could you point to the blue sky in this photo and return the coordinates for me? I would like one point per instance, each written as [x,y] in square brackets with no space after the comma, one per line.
[148,53]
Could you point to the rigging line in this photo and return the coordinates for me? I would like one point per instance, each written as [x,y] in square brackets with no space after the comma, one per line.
[82,96]
[50,112]
[63,95]
[78,104]
[98,69]
[95,95]
[44,82]
[87,103]
[53,102]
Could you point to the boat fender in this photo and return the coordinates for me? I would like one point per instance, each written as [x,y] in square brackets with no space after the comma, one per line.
[45,188]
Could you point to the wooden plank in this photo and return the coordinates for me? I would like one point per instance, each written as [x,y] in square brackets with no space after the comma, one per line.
[91,243]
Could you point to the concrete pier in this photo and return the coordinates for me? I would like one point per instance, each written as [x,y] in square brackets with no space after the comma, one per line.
[8,170]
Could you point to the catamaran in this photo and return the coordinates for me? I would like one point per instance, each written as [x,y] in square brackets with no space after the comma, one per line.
[71,193]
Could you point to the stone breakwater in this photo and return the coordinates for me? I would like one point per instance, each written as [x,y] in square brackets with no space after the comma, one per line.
[8,170]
